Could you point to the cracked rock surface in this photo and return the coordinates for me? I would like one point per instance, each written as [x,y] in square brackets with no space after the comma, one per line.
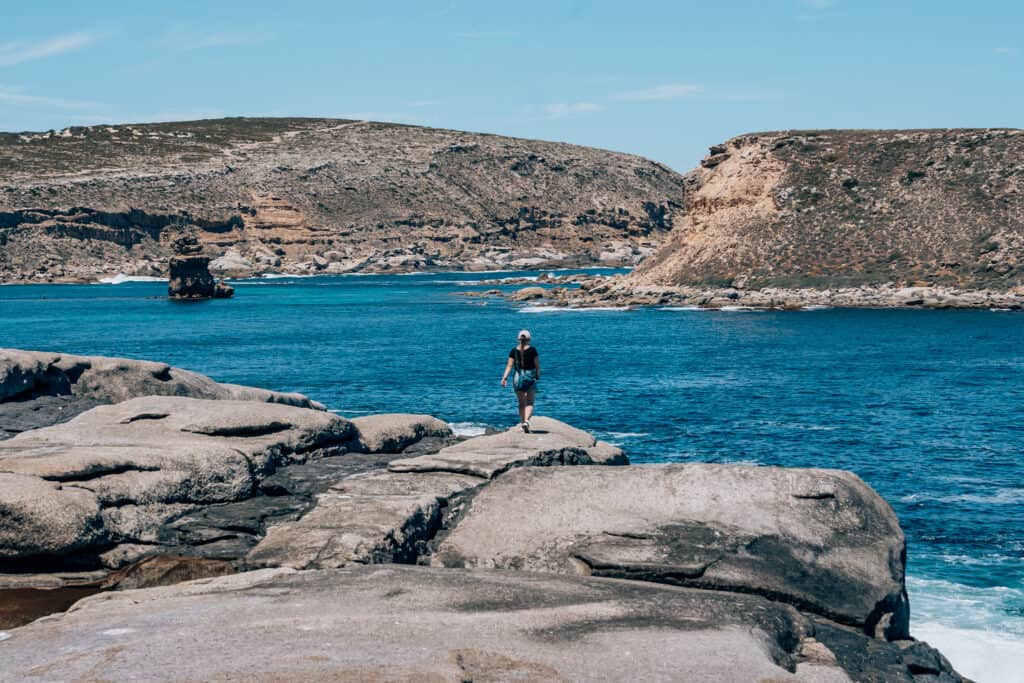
[394,623]
[392,515]
[116,473]
[821,540]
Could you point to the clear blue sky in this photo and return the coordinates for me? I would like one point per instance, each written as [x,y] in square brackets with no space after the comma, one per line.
[661,79]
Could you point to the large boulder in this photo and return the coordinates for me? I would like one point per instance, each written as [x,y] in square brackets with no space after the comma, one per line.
[391,516]
[821,540]
[39,388]
[39,517]
[150,456]
[394,432]
[550,443]
[419,624]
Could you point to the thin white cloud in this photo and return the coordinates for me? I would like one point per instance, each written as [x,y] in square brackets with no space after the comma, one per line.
[1007,51]
[190,38]
[19,98]
[22,51]
[425,103]
[563,110]
[666,91]
[818,4]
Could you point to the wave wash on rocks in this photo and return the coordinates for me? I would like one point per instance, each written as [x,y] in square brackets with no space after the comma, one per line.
[543,565]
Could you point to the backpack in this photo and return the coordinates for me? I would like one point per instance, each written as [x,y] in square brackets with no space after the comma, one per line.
[523,379]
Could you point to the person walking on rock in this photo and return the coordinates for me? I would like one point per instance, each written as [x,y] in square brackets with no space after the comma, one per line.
[524,359]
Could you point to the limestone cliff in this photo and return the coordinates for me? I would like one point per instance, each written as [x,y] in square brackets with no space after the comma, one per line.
[825,209]
[319,195]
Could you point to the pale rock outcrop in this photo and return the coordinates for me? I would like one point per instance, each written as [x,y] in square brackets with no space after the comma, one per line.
[39,517]
[390,516]
[40,388]
[148,453]
[232,264]
[394,432]
[420,624]
[528,294]
[550,443]
[821,540]
[375,518]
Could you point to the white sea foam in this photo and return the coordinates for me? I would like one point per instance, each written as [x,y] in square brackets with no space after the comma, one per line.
[121,278]
[281,276]
[1005,496]
[681,308]
[745,309]
[983,656]
[626,435]
[481,283]
[815,307]
[979,630]
[468,429]
[568,309]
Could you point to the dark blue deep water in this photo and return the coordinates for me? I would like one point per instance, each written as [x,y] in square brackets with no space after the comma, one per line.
[926,406]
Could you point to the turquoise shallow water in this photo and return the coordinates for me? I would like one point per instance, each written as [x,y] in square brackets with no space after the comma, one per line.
[926,406]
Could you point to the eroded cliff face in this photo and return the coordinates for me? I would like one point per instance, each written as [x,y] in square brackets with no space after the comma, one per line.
[828,209]
[319,195]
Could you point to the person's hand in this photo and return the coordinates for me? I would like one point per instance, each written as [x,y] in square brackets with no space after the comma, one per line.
[504,382]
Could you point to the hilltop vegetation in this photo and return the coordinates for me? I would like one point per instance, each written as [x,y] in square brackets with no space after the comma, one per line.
[844,208]
[319,195]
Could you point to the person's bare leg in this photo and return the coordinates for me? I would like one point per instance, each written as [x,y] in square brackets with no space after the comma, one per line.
[521,397]
[528,408]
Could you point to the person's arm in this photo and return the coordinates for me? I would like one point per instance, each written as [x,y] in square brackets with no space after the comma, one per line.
[508,368]
[536,362]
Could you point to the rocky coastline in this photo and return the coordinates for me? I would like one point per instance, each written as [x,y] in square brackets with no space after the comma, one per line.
[272,539]
[305,196]
[577,291]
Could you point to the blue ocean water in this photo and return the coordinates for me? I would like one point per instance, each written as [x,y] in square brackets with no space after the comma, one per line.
[926,406]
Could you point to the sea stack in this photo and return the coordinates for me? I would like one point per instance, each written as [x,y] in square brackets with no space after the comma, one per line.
[190,278]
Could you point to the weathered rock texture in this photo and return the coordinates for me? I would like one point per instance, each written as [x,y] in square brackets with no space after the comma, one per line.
[39,388]
[820,540]
[319,195]
[550,442]
[393,515]
[828,209]
[393,433]
[419,624]
[115,474]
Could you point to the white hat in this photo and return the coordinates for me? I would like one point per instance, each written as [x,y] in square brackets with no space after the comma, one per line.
[523,333]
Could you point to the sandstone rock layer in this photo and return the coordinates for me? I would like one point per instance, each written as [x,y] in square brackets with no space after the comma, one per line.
[319,196]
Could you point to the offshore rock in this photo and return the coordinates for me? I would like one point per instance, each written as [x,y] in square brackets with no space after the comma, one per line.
[190,280]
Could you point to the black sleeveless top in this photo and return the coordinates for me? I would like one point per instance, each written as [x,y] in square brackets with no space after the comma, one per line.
[527,358]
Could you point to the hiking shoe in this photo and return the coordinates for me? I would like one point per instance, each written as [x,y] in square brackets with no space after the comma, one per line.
[526,427]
